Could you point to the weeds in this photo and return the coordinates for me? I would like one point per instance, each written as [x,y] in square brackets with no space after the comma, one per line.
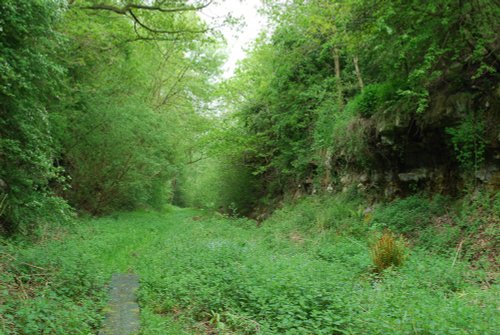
[387,252]
[227,276]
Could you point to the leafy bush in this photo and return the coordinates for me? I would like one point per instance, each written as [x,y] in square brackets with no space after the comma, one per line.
[372,99]
[38,215]
[30,75]
[469,143]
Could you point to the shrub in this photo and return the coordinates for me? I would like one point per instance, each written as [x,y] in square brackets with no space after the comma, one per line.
[468,142]
[410,214]
[373,98]
[30,73]
[387,252]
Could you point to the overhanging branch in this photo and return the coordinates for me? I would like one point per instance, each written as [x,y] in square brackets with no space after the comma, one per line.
[125,9]
[132,11]
[158,31]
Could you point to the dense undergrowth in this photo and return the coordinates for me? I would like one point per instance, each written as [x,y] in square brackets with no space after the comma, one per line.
[50,288]
[306,270]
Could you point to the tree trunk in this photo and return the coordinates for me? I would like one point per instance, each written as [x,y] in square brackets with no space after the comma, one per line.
[340,95]
[358,73]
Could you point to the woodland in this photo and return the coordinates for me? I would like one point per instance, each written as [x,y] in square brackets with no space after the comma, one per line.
[344,180]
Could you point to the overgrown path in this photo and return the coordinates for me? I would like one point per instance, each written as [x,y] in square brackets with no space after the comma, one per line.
[201,273]
[122,314]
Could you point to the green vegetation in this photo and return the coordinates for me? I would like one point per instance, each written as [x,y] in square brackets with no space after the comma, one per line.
[379,89]
[29,85]
[203,273]
[469,143]
[343,181]
[97,112]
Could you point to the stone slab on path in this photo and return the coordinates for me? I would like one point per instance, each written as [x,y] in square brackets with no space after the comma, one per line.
[122,312]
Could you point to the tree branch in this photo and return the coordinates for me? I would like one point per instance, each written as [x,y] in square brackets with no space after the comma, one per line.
[157,31]
[123,10]
[128,10]
[196,160]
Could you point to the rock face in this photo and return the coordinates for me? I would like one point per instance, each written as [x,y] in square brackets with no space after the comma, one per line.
[414,176]
[490,176]
[3,185]
[414,151]
[123,311]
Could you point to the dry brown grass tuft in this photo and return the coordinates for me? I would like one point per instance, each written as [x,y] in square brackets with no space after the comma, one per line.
[387,251]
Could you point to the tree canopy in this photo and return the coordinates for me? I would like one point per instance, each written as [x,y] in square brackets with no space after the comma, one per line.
[100,103]
[111,105]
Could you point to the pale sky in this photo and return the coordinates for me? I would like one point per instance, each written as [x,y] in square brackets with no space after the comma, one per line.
[237,39]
